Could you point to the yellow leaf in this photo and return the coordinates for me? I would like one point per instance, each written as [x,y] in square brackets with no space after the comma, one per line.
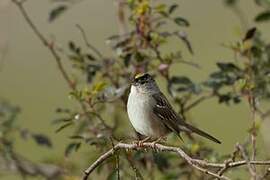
[195,148]
[258,121]
[246,45]
[142,8]
[240,84]
[160,8]
[99,87]
[71,178]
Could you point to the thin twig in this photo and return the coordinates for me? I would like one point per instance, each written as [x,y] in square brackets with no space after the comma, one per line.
[53,51]
[266,114]
[138,174]
[45,42]
[228,161]
[90,46]
[160,58]
[245,156]
[117,160]
[122,26]
[267,173]
[253,132]
[196,102]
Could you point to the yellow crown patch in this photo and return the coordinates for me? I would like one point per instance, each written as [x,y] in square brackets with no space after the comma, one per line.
[139,75]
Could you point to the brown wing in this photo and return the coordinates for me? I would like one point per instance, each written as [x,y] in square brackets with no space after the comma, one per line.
[165,112]
[172,120]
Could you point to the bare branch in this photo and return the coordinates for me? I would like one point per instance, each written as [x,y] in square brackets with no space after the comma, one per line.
[138,174]
[198,164]
[193,162]
[45,42]
[122,26]
[267,173]
[228,161]
[245,156]
[90,46]
[266,114]
[198,101]
[53,51]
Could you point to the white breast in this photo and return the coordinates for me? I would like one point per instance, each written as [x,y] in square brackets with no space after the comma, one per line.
[141,115]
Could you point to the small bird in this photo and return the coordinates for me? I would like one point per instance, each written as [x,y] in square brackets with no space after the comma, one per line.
[151,114]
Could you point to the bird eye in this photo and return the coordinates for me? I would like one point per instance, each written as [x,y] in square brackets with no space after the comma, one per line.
[142,82]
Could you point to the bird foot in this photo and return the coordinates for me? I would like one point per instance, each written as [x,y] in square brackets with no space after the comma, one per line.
[140,142]
[160,139]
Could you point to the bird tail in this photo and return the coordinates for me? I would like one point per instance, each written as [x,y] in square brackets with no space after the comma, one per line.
[192,129]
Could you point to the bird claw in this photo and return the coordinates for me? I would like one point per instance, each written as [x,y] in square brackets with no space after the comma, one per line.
[158,141]
[140,142]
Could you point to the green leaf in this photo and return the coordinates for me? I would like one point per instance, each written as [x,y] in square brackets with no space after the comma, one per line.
[42,140]
[227,66]
[224,98]
[263,16]
[61,120]
[230,2]
[160,8]
[76,137]
[72,147]
[250,34]
[172,8]
[56,12]
[90,57]
[263,3]
[91,71]
[181,21]
[63,126]
[183,84]
[72,46]
[180,80]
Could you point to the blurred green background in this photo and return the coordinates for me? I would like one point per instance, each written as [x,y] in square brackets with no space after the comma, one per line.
[29,77]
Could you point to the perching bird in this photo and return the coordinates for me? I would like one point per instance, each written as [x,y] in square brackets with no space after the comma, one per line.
[151,114]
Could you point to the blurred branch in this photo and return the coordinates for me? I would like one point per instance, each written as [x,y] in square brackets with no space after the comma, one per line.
[161,59]
[245,156]
[266,114]
[51,48]
[13,162]
[122,26]
[133,166]
[193,162]
[26,167]
[198,164]
[90,46]
[45,42]
[240,14]
[228,161]
[198,101]
[267,173]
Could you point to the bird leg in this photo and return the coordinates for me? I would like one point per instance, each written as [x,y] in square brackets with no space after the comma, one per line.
[140,142]
[161,138]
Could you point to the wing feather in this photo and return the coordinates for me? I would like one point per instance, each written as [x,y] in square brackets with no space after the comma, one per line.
[164,111]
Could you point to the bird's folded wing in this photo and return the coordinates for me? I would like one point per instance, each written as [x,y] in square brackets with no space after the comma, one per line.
[164,111]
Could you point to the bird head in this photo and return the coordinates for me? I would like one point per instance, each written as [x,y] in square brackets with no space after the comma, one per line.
[144,83]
